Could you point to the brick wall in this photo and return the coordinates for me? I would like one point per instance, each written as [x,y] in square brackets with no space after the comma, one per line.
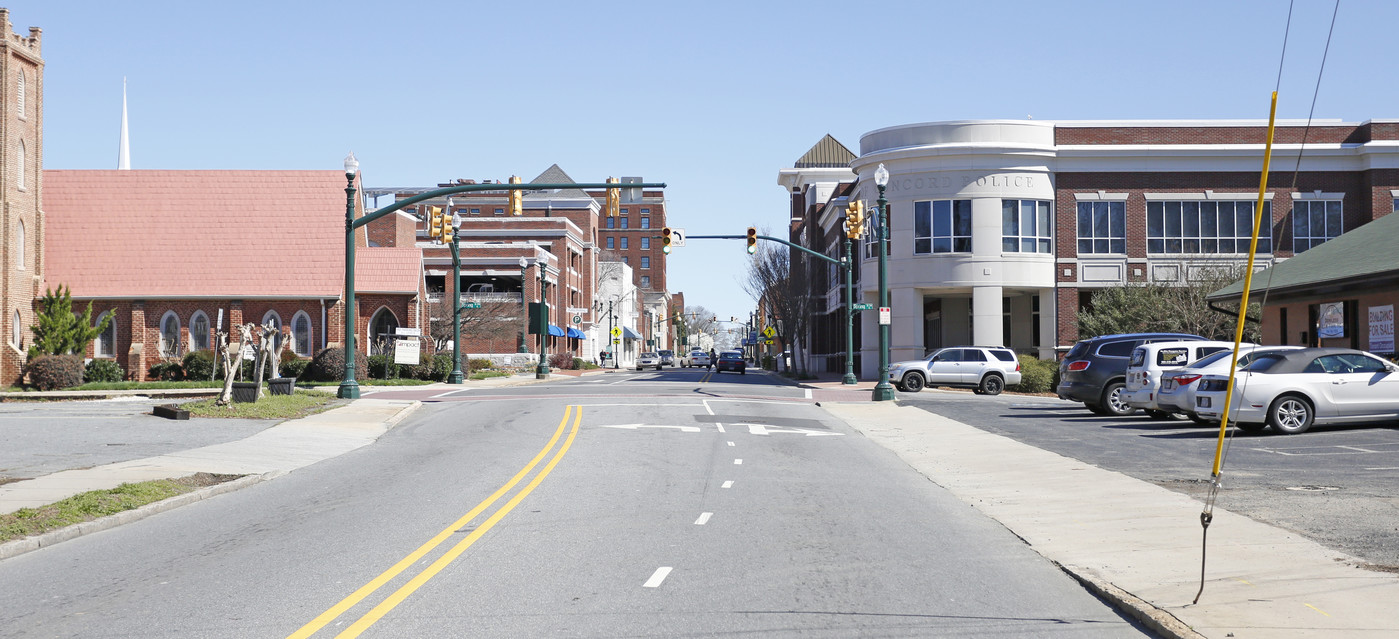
[20,203]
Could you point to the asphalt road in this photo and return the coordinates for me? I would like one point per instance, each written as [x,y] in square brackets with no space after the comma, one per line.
[666,504]
[1333,484]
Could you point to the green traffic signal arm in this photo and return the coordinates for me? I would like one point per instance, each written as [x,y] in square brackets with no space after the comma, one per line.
[838,262]
[470,188]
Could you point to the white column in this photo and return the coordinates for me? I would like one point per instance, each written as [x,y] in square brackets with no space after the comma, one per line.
[906,332]
[986,316]
[1049,323]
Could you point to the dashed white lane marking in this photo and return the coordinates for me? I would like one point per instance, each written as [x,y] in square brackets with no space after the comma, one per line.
[721,427]
[808,393]
[657,577]
[738,462]
[703,519]
[728,484]
[450,392]
[731,443]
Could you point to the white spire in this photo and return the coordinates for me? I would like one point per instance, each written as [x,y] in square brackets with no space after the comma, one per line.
[124,151]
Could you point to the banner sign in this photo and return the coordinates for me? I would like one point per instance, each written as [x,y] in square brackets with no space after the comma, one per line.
[1382,329]
[1331,320]
[405,351]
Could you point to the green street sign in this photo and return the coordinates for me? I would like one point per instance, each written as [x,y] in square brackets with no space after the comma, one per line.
[864,307]
[471,305]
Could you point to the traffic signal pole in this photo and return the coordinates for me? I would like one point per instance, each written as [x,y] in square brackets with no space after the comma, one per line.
[349,388]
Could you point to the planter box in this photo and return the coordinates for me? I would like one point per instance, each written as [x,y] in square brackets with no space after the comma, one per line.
[245,391]
[281,385]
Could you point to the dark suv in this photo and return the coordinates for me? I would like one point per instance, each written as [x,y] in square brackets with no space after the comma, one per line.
[1095,370]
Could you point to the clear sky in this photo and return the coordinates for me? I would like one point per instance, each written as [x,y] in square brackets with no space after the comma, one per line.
[711,97]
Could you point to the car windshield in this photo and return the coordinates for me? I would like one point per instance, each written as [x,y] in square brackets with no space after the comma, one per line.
[731,355]
[1210,359]
[649,355]
[1263,363]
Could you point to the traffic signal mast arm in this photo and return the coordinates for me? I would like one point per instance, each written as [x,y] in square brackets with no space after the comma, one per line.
[839,262]
[473,188]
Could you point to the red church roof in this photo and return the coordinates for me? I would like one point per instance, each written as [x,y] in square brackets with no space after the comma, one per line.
[222,234]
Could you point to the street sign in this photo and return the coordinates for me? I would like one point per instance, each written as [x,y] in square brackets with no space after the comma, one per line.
[577,319]
[616,332]
[884,315]
[768,342]
[864,307]
[769,333]
[403,331]
[405,351]
[471,305]
[677,237]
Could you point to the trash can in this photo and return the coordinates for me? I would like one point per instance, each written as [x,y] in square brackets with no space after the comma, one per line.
[281,385]
[245,392]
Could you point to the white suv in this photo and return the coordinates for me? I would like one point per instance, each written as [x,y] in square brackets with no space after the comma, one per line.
[985,369]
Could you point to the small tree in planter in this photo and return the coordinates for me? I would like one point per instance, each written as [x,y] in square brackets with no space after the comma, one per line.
[230,359]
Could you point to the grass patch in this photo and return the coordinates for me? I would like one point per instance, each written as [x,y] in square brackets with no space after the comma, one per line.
[93,386]
[372,382]
[490,373]
[99,503]
[299,404]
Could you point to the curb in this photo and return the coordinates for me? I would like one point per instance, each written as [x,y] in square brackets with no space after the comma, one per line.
[1159,621]
[29,544]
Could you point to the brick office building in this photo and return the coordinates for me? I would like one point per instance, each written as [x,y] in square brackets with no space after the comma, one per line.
[1002,230]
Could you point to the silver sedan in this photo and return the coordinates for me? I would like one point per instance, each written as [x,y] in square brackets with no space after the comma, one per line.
[1290,391]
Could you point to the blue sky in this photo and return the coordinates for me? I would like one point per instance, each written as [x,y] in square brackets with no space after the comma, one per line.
[713,98]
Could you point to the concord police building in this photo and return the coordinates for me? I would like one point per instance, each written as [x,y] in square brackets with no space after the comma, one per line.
[1002,230]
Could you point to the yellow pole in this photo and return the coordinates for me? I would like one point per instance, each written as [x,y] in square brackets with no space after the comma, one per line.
[1248,283]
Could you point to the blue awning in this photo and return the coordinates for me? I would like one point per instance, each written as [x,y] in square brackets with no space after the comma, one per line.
[555,331]
[628,333]
[575,333]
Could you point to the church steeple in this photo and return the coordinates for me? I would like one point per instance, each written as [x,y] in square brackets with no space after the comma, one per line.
[124,150]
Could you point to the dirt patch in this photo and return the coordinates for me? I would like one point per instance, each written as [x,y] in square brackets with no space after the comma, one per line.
[201,480]
[10,480]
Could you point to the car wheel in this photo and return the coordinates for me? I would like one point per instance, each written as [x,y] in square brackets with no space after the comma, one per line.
[1095,409]
[1249,427]
[742,371]
[1290,415]
[1112,401]
[1158,415]
[1195,417]
[913,382]
[992,385]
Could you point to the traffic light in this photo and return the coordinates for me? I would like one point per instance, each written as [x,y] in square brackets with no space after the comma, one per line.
[665,240]
[517,197]
[614,198]
[434,224]
[855,219]
[752,240]
[449,227]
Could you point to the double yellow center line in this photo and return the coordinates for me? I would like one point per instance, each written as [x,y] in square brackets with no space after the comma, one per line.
[428,573]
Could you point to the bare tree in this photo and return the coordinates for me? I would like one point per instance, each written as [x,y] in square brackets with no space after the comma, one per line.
[1154,307]
[230,360]
[495,322]
[780,282]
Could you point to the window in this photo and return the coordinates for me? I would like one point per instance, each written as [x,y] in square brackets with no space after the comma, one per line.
[645,243]
[272,316]
[1203,227]
[1034,319]
[624,242]
[199,331]
[942,226]
[1102,227]
[626,260]
[645,211]
[170,335]
[611,222]
[645,281]
[623,210]
[16,330]
[476,211]
[381,330]
[611,243]
[645,261]
[1026,227]
[645,222]
[19,94]
[1314,222]
[624,221]
[19,170]
[19,245]
[106,344]
[500,211]
[301,334]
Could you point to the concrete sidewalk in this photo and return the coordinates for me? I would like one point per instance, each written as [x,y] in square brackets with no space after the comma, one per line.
[1138,544]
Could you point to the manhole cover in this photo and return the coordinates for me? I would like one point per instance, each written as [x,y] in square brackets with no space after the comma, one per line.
[1314,488]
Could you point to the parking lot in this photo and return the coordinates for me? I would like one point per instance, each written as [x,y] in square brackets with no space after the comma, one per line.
[1334,484]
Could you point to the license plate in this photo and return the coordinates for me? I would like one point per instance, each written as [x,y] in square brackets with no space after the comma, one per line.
[1202,402]
[1168,384]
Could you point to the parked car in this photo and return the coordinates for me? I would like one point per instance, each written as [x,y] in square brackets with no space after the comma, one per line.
[1095,370]
[1177,391]
[731,361]
[647,360]
[1150,361]
[1291,390]
[985,369]
[667,357]
[699,358]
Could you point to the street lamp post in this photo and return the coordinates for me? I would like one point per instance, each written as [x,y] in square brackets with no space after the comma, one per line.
[524,308]
[456,376]
[349,388]
[542,371]
[883,391]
